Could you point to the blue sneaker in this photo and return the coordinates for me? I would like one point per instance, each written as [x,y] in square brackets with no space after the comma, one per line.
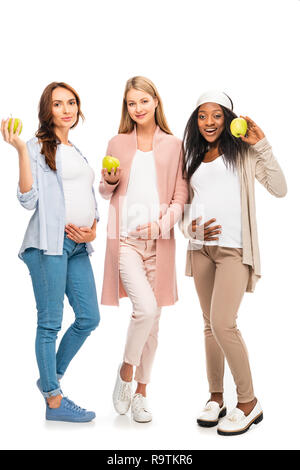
[70,412]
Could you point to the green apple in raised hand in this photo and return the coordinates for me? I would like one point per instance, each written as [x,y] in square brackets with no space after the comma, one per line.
[110,163]
[238,127]
[16,124]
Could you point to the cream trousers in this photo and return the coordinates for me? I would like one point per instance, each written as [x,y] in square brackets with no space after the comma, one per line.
[137,271]
[221,279]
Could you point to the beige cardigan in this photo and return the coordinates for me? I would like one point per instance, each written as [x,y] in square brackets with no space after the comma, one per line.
[259,163]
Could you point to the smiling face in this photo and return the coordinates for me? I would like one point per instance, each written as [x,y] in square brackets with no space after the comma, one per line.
[64,108]
[211,121]
[141,106]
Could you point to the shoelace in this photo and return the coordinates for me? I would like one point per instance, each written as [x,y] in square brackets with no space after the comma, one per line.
[125,391]
[73,407]
[139,403]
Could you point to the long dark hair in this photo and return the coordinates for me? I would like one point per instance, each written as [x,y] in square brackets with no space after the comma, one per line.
[46,133]
[195,146]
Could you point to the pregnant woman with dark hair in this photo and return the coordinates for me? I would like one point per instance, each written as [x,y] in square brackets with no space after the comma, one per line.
[56,182]
[221,170]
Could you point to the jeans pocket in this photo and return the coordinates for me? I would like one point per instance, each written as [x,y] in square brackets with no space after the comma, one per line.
[28,252]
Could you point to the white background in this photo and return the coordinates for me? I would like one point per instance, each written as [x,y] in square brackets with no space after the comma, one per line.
[251,51]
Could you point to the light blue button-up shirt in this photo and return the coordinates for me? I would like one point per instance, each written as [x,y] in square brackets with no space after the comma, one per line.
[46,227]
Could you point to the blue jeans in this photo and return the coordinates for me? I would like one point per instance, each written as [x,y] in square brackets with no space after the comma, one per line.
[52,277]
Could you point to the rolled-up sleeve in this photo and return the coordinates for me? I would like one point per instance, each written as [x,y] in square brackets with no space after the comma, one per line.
[29,199]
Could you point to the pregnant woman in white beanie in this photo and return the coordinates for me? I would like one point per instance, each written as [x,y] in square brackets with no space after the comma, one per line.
[221,170]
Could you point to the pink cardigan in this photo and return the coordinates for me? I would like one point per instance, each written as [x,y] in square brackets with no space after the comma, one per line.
[173,194]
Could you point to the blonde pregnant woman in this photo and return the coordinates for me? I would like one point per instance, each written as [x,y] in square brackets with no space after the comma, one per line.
[147,196]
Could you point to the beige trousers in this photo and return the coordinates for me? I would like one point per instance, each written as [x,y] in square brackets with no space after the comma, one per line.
[221,279]
[137,264]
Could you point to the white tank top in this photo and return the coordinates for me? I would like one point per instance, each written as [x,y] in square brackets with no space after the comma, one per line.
[141,203]
[217,196]
[78,178]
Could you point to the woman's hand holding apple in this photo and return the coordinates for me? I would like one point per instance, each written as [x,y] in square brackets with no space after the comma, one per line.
[12,137]
[254,133]
[112,177]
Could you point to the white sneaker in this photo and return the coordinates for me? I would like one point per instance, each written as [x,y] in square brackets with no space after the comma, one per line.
[211,414]
[237,423]
[122,394]
[139,410]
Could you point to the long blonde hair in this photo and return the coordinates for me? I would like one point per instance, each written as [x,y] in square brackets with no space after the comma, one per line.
[142,84]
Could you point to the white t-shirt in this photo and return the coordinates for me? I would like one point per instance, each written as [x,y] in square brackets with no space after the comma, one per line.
[78,178]
[141,202]
[217,196]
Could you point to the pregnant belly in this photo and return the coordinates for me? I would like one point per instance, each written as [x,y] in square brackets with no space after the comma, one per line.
[80,211]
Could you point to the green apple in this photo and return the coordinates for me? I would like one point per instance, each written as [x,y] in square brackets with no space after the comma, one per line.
[238,127]
[110,163]
[16,124]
